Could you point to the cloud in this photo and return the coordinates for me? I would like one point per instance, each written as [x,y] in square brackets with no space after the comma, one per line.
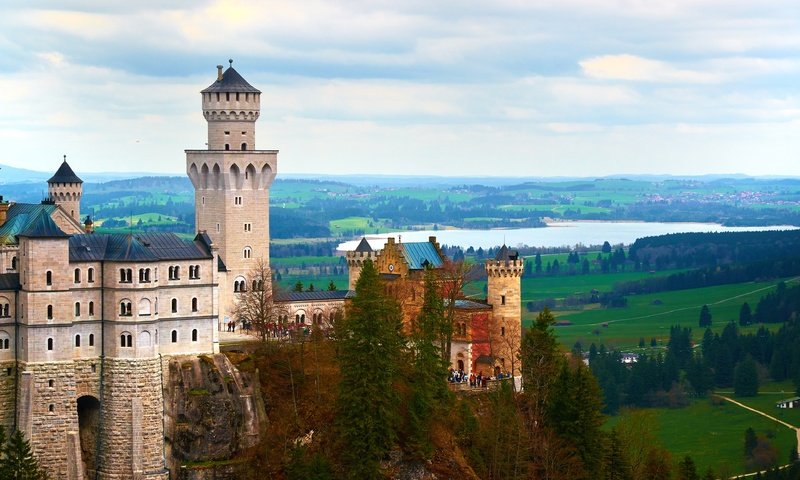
[635,68]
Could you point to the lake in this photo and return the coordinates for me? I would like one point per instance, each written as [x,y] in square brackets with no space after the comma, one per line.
[556,234]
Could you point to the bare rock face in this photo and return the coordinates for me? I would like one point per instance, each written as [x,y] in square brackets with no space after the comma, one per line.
[213,414]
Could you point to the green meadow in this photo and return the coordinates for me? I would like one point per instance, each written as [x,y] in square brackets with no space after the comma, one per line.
[712,432]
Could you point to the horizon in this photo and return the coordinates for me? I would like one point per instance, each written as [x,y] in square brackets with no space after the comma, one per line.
[552,89]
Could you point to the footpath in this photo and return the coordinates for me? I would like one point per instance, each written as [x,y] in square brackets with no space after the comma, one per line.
[746,407]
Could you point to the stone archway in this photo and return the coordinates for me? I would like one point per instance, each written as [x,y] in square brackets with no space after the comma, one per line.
[89,431]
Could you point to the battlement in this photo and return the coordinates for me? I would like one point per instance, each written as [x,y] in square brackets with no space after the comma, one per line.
[505,268]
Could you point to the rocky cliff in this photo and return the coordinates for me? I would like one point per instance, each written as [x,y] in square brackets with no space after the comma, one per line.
[214,414]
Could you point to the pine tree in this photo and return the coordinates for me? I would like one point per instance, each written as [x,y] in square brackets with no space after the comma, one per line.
[750,442]
[429,391]
[745,315]
[745,381]
[687,470]
[18,462]
[369,351]
[616,466]
[541,361]
[705,317]
[574,413]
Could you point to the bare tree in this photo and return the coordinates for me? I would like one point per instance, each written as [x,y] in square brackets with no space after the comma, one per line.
[453,276]
[256,307]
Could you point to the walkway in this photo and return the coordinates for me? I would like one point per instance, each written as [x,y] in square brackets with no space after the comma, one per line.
[792,427]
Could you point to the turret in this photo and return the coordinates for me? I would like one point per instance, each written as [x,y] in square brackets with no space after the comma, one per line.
[66,189]
[504,295]
[231,107]
[231,181]
[356,259]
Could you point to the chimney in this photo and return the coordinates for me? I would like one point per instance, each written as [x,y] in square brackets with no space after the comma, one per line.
[3,210]
[219,73]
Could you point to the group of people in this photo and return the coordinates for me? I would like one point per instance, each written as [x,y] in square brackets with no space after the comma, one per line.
[232,326]
[475,381]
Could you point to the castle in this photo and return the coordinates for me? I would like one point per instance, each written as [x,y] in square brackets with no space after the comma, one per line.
[89,320]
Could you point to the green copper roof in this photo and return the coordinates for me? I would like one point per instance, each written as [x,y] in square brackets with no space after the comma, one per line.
[19,218]
[42,226]
[418,255]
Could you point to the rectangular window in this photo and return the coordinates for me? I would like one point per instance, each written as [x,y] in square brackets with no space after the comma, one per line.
[218,228]
[502,299]
[246,227]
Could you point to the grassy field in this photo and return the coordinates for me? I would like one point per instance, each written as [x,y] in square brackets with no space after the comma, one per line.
[652,315]
[768,395]
[712,433]
[280,262]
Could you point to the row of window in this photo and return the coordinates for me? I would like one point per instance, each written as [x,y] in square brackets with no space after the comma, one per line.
[125,274]
[228,98]
[125,308]
[125,340]
[241,285]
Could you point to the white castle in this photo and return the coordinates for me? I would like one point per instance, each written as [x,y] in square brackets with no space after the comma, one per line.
[88,321]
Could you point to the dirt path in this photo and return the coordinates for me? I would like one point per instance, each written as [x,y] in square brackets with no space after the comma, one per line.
[792,427]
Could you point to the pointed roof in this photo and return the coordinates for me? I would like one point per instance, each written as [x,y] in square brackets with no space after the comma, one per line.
[363,246]
[64,174]
[506,254]
[43,226]
[231,82]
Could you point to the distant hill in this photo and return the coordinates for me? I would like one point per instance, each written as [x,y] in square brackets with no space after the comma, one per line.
[12,175]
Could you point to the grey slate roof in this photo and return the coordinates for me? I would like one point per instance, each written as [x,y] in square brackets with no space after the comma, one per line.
[231,82]
[9,281]
[42,226]
[506,254]
[470,305]
[417,254]
[145,247]
[314,296]
[64,174]
[363,246]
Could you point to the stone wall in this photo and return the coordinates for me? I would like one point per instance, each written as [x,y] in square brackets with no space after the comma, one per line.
[132,406]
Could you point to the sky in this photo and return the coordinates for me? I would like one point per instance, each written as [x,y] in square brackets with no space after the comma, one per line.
[417,87]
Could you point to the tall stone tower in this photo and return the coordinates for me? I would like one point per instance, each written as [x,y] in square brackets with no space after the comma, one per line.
[231,181]
[66,189]
[504,295]
[356,259]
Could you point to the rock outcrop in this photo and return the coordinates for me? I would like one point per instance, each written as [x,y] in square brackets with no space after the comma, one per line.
[213,415]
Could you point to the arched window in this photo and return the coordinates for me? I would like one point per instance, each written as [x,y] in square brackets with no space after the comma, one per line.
[77,341]
[177,272]
[144,307]
[90,275]
[125,309]
[126,340]
[122,275]
[197,271]
[77,275]
[502,331]
[49,312]
[5,310]
[48,277]
[174,305]
[91,339]
[255,285]
[227,146]
[194,335]
[174,336]
[13,263]
[247,252]
[91,309]
[244,146]
[194,304]
[77,309]
[49,344]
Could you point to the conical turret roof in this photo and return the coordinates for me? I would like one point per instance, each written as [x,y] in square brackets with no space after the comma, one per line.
[363,246]
[231,81]
[505,254]
[64,174]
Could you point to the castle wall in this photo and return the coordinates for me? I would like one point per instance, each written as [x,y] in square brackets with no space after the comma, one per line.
[504,294]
